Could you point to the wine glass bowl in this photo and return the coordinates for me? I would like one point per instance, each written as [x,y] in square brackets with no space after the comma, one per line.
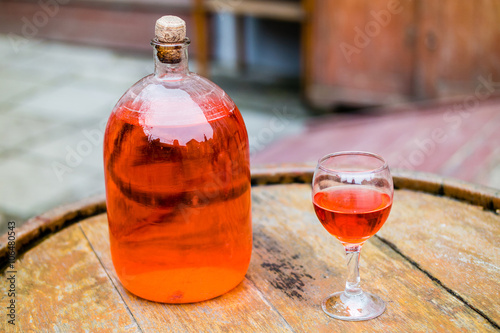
[352,197]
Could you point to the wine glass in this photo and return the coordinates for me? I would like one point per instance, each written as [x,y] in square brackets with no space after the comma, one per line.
[352,196]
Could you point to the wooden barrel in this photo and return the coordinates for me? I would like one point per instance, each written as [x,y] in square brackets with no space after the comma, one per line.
[435,262]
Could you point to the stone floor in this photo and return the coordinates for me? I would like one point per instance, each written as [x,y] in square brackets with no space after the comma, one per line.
[54,102]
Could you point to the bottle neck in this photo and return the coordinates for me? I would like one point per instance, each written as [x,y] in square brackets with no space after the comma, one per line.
[171,60]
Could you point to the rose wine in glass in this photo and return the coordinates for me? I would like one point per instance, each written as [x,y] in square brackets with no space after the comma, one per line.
[352,198]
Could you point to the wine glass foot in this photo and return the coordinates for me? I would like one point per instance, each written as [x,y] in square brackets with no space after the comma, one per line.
[358,307]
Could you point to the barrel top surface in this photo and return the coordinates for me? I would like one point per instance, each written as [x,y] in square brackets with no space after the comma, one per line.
[435,262]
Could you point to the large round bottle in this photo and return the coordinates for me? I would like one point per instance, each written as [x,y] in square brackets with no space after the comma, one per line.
[177,174]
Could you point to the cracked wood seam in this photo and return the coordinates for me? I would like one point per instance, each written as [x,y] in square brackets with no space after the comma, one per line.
[295,264]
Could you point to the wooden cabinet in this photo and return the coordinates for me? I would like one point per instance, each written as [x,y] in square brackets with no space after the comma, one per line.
[459,42]
[386,51]
[357,52]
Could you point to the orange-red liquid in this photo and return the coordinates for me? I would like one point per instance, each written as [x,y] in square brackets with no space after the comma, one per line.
[178,201]
[352,214]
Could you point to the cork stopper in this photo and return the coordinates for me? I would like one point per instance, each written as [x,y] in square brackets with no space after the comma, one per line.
[170,29]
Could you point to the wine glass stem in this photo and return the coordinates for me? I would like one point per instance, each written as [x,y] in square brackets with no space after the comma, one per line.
[352,253]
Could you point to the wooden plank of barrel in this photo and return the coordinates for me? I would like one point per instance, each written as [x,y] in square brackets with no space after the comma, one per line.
[435,262]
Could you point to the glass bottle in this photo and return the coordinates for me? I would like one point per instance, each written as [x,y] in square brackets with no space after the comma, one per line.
[177,173]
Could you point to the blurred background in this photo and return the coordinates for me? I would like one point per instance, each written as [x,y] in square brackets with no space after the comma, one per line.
[417,81]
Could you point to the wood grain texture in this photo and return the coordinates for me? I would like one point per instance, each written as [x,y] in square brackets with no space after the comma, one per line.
[50,222]
[62,287]
[244,309]
[427,50]
[435,262]
[488,198]
[296,264]
[457,43]
[362,52]
[457,243]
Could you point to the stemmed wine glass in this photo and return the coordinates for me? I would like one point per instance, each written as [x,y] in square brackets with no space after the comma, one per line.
[352,196]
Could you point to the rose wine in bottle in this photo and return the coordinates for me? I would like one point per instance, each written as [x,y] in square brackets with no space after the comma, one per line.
[177,175]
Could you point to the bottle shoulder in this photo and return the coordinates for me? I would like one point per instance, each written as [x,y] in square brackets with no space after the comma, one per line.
[190,92]
[195,108]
